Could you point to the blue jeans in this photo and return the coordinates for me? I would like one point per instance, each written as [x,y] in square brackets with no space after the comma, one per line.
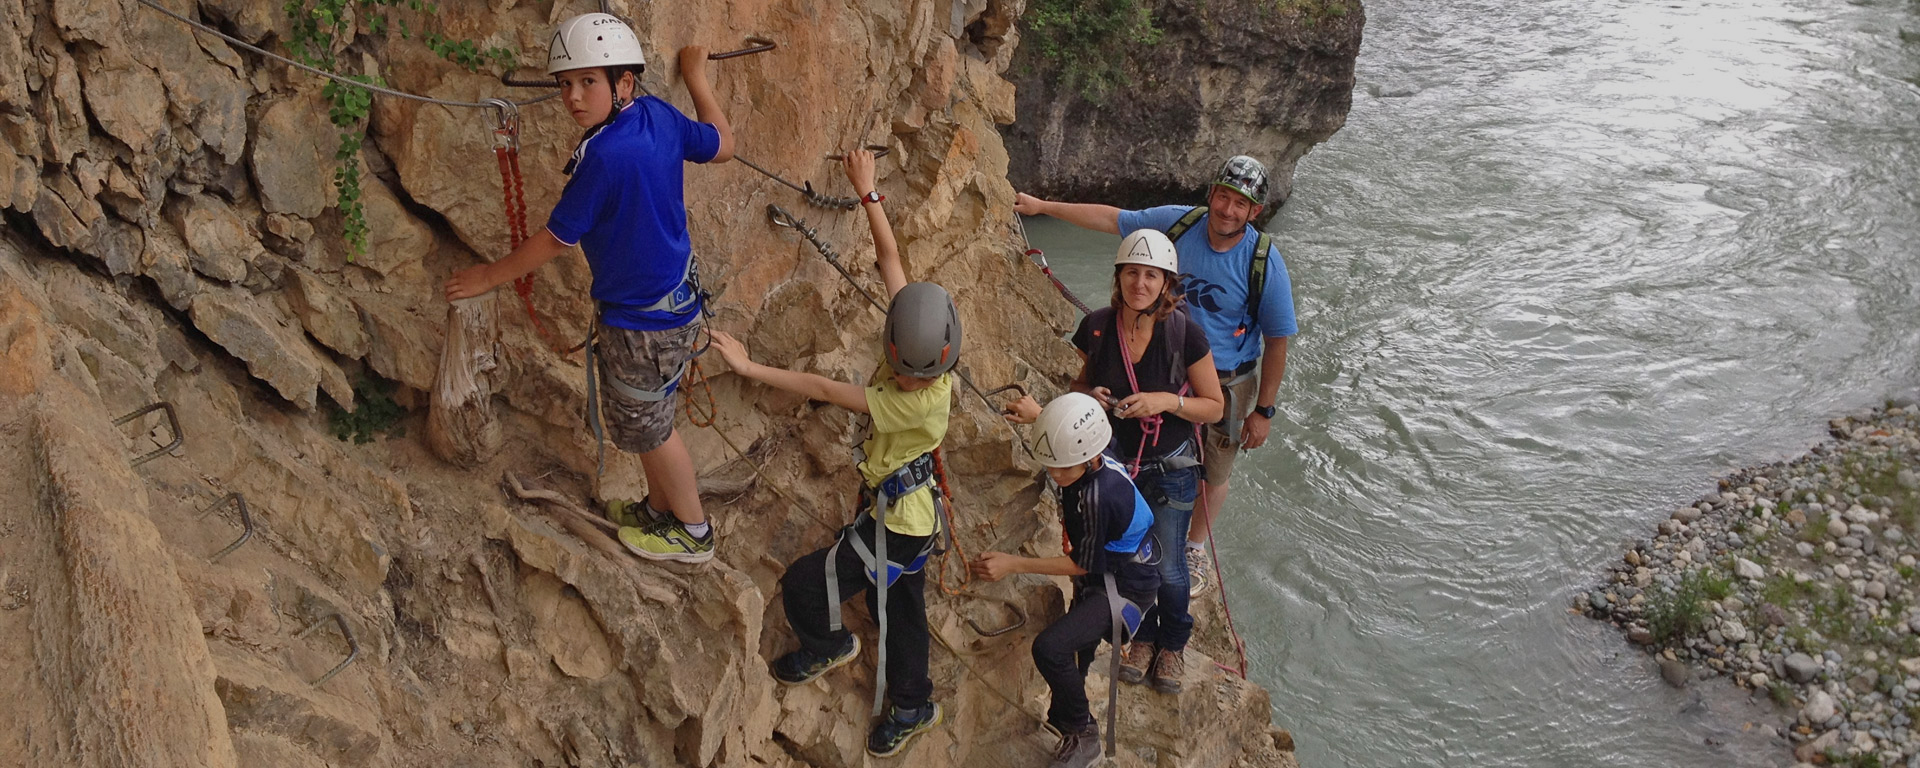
[1171,494]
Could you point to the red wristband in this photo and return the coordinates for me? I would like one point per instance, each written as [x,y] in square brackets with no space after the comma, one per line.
[873,197]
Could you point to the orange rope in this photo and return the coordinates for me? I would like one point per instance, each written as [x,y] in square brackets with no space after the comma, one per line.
[513,192]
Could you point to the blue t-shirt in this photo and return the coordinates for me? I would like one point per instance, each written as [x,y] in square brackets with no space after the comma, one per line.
[625,206]
[1216,285]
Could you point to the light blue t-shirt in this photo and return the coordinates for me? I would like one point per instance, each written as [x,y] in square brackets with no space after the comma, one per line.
[626,208]
[1216,286]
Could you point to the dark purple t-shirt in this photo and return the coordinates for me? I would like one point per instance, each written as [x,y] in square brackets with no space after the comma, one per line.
[1106,368]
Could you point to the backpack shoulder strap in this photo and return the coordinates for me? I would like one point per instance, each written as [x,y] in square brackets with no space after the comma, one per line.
[1177,326]
[1257,277]
[1186,222]
[1101,321]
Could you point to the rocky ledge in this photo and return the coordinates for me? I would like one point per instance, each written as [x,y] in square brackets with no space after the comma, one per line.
[1796,580]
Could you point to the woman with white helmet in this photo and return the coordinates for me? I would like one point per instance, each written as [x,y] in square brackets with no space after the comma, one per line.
[1145,360]
[1107,550]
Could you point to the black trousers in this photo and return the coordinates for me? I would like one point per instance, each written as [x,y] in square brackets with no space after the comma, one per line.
[1064,651]
[804,594]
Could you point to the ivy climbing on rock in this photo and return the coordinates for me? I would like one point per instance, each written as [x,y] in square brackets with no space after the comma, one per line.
[321,31]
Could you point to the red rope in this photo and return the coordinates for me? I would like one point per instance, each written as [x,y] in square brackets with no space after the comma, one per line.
[1064,290]
[1239,645]
[513,192]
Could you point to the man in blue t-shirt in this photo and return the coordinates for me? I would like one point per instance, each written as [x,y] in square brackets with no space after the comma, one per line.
[1249,337]
[625,207]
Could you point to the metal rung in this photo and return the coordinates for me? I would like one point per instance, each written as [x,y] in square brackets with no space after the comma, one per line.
[878,150]
[353,646]
[755,45]
[246,523]
[173,422]
[1019,620]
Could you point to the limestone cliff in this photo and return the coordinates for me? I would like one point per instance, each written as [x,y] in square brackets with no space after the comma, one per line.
[171,237]
[1267,78]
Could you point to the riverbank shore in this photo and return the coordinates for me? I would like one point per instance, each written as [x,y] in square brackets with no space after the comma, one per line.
[1798,581]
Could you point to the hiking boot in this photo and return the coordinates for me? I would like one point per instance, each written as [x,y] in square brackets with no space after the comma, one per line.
[891,734]
[635,514]
[1135,661]
[668,541]
[1078,749]
[1199,572]
[1168,668]
[803,665]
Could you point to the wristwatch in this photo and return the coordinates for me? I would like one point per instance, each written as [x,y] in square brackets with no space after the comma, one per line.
[1265,411]
[873,197]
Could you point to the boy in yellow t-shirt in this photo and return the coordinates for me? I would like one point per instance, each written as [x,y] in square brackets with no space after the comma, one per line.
[908,418]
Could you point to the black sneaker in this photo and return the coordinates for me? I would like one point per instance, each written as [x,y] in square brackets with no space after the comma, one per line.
[1078,749]
[803,665]
[891,734]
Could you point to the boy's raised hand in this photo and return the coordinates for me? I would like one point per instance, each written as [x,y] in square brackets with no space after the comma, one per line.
[731,350]
[693,62]
[468,283]
[859,167]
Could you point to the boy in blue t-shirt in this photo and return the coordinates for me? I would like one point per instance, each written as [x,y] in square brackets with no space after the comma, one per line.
[624,205]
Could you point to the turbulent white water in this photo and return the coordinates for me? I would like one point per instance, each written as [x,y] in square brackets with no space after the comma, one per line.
[1568,261]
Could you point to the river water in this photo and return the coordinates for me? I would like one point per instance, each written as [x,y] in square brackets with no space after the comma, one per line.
[1568,261]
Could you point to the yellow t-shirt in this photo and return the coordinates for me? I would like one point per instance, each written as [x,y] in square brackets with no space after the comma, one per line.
[903,426]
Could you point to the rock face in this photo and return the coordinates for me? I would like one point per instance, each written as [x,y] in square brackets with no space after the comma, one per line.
[171,239]
[1228,77]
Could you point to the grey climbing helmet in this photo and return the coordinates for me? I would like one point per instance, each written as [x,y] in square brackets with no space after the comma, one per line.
[1244,175]
[923,331]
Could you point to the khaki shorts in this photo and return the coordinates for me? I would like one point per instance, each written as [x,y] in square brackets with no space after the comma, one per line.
[642,360]
[1222,445]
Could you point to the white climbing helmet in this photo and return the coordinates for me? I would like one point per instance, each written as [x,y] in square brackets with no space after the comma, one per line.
[593,40]
[1071,430]
[1150,247]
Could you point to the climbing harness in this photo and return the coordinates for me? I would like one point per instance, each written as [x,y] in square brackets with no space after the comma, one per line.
[1124,615]
[1039,257]
[880,570]
[1256,270]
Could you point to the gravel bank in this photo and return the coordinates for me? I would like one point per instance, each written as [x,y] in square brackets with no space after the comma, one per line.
[1797,580]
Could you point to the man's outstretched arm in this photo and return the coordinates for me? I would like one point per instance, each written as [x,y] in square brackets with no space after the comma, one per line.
[1094,216]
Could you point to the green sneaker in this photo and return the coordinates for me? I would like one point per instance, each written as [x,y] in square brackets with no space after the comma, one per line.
[891,734]
[635,514]
[667,541]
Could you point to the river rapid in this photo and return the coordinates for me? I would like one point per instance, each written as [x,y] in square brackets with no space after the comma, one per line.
[1568,261]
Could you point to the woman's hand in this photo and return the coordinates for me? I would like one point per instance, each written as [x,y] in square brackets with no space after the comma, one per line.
[1022,411]
[994,566]
[470,282]
[859,167]
[731,350]
[1103,396]
[1140,405]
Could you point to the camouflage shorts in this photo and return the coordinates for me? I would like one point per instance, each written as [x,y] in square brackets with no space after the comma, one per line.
[642,360]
